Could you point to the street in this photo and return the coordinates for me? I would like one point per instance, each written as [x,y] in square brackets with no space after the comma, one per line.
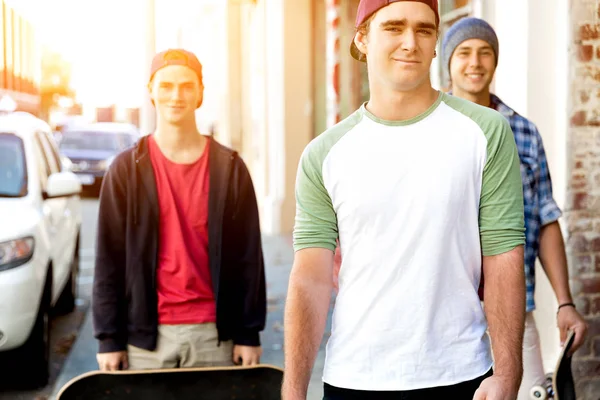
[73,346]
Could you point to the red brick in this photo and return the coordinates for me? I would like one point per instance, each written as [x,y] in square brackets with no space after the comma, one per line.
[585,52]
[580,202]
[586,368]
[584,95]
[589,389]
[578,119]
[596,244]
[596,346]
[580,221]
[583,264]
[598,52]
[593,326]
[586,349]
[578,185]
[587,71]
[590,285]
[583,305]
[578,244]
[597,264]
[579,175]
[595,307]
[578,164]
[587,32]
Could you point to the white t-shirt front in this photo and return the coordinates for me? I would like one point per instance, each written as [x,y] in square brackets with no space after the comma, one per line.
[414,204]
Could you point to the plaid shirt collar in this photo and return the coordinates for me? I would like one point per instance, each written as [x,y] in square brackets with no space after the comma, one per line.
[500,106]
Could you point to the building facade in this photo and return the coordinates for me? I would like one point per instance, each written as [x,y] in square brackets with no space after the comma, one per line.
[281,73]
[20,60]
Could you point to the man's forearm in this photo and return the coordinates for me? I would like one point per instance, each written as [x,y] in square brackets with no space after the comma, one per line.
[554,261]
[505,311]
[305,317]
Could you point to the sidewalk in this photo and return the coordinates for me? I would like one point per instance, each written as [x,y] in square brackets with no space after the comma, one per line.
[278,261]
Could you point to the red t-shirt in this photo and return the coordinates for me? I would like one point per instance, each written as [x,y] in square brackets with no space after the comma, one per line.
[184,284]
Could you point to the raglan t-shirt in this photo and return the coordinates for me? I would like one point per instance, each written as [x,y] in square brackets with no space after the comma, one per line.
[415,205]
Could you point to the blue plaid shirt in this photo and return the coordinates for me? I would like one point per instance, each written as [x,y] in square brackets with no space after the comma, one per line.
[540,207]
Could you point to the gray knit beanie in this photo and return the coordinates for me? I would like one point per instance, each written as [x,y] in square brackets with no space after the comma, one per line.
[465,29]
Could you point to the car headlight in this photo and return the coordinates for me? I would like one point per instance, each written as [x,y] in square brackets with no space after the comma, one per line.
[67,164]
[104,164]
[15,252]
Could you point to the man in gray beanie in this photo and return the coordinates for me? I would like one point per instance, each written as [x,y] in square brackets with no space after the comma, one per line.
[470,52]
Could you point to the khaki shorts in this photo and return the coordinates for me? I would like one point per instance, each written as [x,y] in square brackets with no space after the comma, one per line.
[183,346]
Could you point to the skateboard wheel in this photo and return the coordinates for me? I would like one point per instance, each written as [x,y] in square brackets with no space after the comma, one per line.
[538,393]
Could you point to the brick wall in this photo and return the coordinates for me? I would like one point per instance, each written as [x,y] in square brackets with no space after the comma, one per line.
[582,212]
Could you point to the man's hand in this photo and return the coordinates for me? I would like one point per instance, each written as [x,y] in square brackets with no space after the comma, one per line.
[246,355]
[569,319]
[497,388]
[112,361]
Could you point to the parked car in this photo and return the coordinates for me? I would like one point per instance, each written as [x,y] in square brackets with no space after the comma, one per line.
[92,148]
[40,221]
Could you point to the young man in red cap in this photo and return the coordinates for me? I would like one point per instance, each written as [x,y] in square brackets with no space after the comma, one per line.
[423,191]
[179,278]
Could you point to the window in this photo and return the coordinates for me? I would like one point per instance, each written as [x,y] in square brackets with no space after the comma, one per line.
[450,12]
[50,152]
[13,169]
[42,161]
[88,140]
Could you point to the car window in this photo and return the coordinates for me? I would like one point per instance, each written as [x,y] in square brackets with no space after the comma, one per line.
[127,140]
[53,159]
[13,168]
[53,142]
[77,140]
[42,161]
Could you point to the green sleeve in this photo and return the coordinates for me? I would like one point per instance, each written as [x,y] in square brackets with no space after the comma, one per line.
[501,218]
[316,221]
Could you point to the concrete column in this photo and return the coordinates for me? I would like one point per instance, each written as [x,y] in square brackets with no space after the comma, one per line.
[230,129]
[532,78]
[298,78]
[277,92]
[147,112]
[333,62]
[546,106]
[511,22]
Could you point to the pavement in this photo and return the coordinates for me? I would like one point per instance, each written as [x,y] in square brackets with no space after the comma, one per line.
[278,262]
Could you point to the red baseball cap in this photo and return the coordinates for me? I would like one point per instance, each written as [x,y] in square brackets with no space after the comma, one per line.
[176,57]
[366,8]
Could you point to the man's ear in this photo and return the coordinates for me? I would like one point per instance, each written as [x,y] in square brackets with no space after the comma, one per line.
[149,86]
[360,41]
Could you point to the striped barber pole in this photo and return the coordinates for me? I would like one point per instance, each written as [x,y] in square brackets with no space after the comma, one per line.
[333,62]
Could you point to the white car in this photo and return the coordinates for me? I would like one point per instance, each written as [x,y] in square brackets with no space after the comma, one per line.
[40,220]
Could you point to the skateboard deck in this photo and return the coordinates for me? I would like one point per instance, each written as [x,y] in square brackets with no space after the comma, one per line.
[241,383]
[559,385]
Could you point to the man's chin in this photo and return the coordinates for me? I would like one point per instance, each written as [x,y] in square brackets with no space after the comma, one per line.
[476,90]
[173,118]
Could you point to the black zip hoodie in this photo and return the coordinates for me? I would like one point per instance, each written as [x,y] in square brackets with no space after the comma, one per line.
[124,304]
